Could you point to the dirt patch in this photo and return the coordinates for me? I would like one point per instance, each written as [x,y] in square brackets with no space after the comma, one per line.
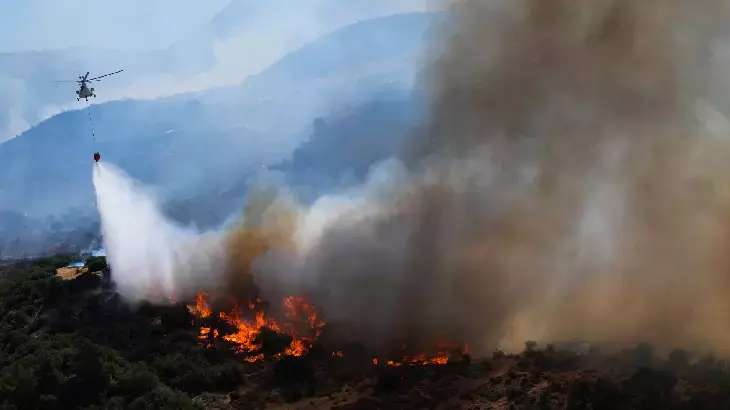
[70,273]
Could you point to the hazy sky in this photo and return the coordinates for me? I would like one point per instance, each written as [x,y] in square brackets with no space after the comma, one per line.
[251,36]
[120,25]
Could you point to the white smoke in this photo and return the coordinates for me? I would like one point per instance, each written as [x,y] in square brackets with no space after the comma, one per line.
[152,258]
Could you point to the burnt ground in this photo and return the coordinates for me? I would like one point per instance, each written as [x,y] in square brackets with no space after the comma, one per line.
[540,379]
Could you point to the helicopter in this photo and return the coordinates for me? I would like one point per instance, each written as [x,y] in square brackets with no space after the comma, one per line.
[85,92]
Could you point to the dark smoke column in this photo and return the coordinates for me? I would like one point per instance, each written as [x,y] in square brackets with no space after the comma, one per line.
[543,114]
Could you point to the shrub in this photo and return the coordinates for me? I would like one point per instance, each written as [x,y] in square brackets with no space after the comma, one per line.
[136,381]
[96,263]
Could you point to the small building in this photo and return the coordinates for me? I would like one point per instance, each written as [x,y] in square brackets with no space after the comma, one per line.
[77,268]
[77,264]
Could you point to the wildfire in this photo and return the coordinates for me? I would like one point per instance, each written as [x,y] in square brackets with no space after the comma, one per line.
[441,356]
[302,324]
[205,334]
[247,331]
[296,348]
[297,309]
[201,308]
[420,359]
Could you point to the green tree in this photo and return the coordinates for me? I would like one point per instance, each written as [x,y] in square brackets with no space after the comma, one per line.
[88,381]
[18,386]
[96,263]
[136,381]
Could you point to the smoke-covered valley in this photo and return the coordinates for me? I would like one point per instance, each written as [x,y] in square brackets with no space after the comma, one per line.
[331,95]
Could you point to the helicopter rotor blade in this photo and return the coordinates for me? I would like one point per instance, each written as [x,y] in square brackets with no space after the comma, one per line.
[96,78]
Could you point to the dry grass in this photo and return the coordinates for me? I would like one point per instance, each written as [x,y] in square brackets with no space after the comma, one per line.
[70,273]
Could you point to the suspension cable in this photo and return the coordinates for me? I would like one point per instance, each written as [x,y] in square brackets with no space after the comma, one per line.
[91,123]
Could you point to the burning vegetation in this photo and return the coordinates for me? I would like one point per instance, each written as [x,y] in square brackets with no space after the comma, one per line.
[300,323]
[88,349]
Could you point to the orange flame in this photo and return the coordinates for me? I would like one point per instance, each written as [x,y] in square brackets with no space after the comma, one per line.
[303,326]
[201,307]
[247,331]
[254,359]
[204,335]
[440,357]
[299,309]
[296,348]
[420,359]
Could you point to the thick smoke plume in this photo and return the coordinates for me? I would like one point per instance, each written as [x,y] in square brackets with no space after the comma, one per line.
[572,182]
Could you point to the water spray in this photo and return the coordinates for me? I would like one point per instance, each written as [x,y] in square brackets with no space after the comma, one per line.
[153,258]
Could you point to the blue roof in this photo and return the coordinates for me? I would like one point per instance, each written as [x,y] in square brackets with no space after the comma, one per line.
[77,264]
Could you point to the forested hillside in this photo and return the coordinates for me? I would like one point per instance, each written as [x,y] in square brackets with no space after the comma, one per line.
[75,344]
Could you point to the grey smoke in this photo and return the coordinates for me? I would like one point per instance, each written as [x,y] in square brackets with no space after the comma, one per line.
[572,181]
[568,184]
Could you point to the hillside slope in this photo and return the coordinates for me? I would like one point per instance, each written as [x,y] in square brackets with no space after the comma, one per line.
[76,344]
[225,132]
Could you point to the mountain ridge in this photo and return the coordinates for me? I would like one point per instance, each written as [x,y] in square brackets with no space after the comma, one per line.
[217,53]
[228,133]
